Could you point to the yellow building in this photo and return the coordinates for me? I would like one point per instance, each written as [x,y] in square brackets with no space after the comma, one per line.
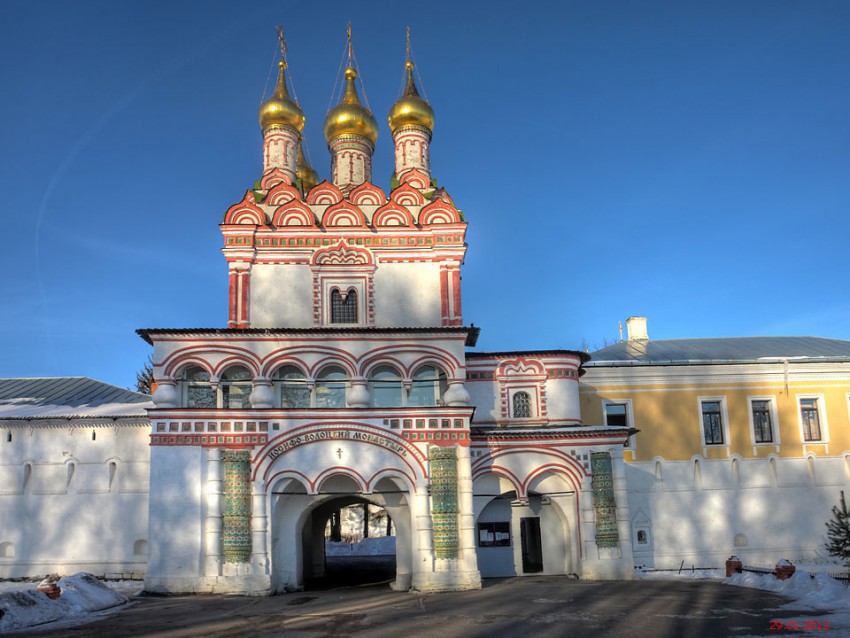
[742,444]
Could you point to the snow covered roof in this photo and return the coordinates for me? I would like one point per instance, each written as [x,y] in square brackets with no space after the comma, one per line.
[70,398]
[721,350]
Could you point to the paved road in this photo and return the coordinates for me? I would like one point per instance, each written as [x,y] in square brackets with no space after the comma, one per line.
[538,607]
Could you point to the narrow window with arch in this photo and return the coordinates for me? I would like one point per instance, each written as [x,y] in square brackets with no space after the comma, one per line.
[235,388]
[385,384]
[522,405]
[293,389]
[331,384]
[199,390]
[427,387]
[343,306]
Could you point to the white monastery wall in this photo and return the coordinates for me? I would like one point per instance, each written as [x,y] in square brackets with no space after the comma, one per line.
[84,500]
[176,515]
[762,511]
[279,296]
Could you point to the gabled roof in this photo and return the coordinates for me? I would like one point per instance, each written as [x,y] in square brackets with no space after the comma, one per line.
[721,350]
[68,397]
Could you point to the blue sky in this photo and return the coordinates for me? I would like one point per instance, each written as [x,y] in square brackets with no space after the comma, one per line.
[684,160]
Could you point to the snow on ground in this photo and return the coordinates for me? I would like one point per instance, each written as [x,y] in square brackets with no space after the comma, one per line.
[367,547]
[811,588]
[83,596]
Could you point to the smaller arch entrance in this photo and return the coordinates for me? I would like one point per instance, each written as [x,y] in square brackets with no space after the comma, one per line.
[535,534]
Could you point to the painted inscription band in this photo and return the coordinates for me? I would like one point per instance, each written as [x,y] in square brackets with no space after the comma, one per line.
[337,435]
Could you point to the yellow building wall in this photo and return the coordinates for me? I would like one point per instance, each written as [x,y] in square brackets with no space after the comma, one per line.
[670,422]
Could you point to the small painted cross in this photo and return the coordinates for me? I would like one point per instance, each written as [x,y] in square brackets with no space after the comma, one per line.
[339,452]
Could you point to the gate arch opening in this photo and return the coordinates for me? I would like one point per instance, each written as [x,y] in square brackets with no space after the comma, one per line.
[304,553]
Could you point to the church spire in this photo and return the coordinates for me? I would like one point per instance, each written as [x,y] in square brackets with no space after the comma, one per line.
[281,120]
[351,132]
[411,121]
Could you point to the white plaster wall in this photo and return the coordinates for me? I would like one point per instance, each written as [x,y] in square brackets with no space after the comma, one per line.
[281,296]
[407,295]
[482,395]
[697,520]
[178,475]
[562,400]
[69,516]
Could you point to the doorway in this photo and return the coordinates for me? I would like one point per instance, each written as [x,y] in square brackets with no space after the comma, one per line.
[532,547]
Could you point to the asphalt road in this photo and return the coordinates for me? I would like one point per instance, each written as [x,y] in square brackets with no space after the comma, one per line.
[539,607]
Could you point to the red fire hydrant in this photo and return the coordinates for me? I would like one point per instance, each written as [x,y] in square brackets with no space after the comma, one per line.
[733,566]
[784,570]
[49,587]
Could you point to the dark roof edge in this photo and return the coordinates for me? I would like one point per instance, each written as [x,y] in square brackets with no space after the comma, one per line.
[636,363]
[585,357]
[471,332]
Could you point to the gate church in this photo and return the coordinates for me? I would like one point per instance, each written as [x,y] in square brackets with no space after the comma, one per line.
[343,377]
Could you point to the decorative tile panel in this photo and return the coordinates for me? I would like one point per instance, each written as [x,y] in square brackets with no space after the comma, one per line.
[236,526]
[444,501]
[604,506]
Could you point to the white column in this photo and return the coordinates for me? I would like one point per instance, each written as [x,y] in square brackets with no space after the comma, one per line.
[466,522]
[212,526]
[259,531]
[423,557]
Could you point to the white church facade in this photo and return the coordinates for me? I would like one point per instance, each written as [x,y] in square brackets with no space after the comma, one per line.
[343,377]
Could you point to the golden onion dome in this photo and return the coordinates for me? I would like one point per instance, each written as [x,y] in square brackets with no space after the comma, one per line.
[303,171]
[350,117]
[410,109]
[280,108]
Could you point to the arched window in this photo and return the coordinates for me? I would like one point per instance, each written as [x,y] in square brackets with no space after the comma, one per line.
[385,385]
[344,306]
[331,383]
[199,391]
[293,392]
[427,387]
[522,405]
[235,388]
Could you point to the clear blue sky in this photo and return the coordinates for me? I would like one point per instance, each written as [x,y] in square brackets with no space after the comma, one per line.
[684,160]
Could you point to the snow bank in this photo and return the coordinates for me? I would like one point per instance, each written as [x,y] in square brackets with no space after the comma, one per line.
[82,594]
[815,591]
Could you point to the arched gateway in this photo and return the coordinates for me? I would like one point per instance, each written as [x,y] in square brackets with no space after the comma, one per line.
[343,376]
[363,463]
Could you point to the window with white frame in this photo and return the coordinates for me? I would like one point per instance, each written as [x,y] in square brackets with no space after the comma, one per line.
[712,412]
[763,419]
[811,418]
[618,413]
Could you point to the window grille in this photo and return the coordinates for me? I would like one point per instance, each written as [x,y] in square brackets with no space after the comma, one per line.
[343,308]
[522,405]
